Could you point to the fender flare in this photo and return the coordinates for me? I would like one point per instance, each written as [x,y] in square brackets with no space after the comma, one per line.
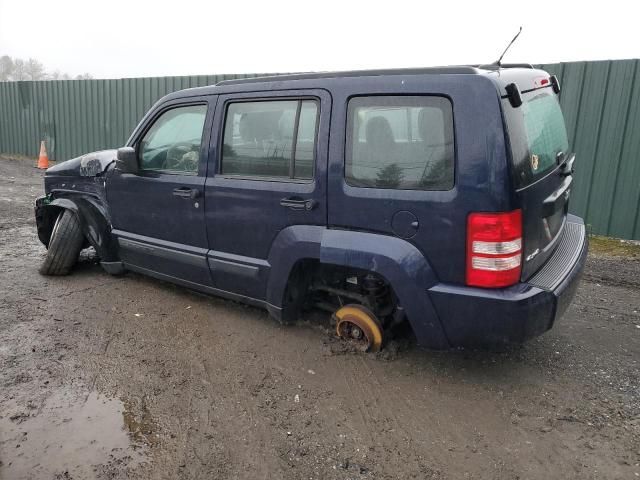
[93,218]
[398,261]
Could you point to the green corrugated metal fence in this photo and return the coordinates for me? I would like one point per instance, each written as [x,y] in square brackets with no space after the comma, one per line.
[600,100]
[601,104]
[80,116]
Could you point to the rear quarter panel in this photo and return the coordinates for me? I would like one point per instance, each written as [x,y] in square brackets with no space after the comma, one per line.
[482,179]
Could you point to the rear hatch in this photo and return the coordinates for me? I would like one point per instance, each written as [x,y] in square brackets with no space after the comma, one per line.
[541,166]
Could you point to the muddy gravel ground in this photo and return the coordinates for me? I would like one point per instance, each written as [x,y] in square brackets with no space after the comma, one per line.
[112,378]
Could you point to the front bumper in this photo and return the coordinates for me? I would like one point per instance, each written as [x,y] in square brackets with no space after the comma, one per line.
[476,316]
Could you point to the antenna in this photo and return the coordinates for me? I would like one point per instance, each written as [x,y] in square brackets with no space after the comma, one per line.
[508,46]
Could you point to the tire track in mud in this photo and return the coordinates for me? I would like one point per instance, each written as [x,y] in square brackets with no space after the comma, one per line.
[244,424]
[356,400]
[611,281]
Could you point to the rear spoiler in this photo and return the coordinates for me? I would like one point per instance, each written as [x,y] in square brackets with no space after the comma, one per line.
[493,66]
[514,94]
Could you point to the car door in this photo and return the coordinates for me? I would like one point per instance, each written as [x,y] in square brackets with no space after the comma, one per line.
[158,213]
[268,172]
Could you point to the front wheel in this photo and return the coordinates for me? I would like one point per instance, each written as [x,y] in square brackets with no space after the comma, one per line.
[64,246]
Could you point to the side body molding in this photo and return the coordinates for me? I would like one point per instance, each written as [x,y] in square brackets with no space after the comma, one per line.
[399,262]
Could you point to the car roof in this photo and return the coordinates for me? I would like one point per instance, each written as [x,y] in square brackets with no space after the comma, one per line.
[501,75]
[446,70]
[354,73]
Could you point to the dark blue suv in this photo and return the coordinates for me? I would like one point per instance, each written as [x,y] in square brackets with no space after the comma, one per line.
[436,197]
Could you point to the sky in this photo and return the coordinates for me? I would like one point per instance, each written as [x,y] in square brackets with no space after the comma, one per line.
[132,38]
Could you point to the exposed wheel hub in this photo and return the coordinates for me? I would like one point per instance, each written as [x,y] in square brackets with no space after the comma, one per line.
[356,333]
[359,326]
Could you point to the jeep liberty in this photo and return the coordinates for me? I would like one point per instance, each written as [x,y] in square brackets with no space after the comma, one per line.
[436,197]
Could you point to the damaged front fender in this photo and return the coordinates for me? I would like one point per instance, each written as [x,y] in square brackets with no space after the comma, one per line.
[89,165]
[78,185]
[93,218]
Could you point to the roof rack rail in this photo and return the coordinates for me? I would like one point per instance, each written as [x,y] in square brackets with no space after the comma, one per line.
[463,69]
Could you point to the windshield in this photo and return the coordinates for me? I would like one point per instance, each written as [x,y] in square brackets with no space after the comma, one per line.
[538,134]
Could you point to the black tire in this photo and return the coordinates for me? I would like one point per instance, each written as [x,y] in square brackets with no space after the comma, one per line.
[64,246]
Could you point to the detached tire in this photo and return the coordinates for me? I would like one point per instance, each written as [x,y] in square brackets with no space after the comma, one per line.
[64,246]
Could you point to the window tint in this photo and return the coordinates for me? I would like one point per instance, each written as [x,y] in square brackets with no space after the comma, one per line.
[546,133]
[537,135]
[173,141]
[400,142]
[270,139]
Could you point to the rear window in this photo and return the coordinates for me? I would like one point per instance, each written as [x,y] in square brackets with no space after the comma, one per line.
[538,134]
[403,143]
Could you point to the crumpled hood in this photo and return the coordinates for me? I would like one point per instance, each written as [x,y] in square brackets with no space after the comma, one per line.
[88,165]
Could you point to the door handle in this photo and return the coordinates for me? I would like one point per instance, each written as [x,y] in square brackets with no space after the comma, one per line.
[298,204]
[185,192]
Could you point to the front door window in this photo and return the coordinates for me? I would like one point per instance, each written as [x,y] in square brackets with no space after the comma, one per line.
[173,142]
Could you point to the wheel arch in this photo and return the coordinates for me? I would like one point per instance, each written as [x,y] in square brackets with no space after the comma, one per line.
[93,218]
[396,260]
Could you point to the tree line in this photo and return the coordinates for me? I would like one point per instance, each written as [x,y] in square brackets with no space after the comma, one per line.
[17,69]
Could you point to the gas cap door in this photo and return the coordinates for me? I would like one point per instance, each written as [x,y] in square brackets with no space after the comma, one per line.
[404,224]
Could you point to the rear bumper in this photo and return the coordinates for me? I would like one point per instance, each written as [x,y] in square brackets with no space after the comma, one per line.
[476,316]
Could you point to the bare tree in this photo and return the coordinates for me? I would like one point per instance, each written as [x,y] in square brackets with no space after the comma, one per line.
[34,70]
[58,75]
[17,69]
[6,68]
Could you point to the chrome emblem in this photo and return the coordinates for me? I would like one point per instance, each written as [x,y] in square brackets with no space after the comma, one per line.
[533,254]
[535,161]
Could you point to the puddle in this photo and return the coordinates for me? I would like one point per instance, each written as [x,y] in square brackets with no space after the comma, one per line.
[67,434]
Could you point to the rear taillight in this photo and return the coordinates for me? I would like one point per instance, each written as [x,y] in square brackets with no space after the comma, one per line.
[494,249]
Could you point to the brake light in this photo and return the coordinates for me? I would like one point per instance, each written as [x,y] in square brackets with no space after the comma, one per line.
[540,82]
[494,249]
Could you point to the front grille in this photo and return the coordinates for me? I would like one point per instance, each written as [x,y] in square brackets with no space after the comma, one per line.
[565,256]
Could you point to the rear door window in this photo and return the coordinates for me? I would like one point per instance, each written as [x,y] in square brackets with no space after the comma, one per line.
[538,135]
[400,142]
[274,139]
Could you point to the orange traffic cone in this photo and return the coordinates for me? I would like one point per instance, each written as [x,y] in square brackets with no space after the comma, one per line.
[43,160]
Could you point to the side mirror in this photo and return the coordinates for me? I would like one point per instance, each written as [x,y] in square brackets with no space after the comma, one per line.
[127,160]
